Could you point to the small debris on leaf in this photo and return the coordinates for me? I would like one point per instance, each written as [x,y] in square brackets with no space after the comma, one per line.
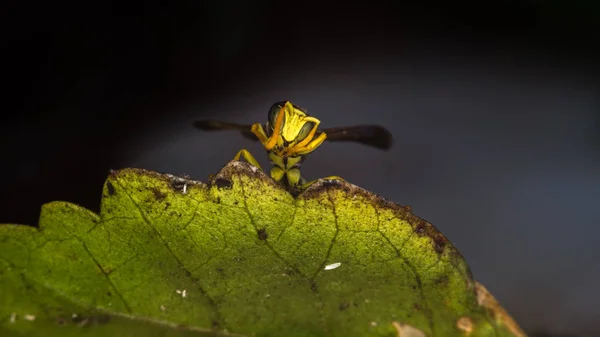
[183,292]
[333,266]
[465,324]
[405,330]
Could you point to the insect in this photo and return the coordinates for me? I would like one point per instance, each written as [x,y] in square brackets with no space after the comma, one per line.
[290,134]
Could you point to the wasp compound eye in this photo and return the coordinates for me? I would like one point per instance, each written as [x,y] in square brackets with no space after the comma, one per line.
[305,131]
[275,108]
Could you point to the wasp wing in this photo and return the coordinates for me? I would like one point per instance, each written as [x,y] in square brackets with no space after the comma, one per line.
[245,129]
[372,135]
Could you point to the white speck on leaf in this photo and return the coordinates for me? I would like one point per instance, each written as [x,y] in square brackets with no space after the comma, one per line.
[13,317]
[333,266]
[74,315]
[29,317]
[373,323]
[184,293]
[163,308]
[184,192]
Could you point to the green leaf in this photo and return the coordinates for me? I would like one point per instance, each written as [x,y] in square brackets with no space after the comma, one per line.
[238,256]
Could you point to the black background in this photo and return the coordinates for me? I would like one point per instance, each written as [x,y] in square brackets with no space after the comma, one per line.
[98,86]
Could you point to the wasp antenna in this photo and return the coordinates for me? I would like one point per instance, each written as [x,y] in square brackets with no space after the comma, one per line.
[209,125]
[218,126]
[372,135]
[381,138]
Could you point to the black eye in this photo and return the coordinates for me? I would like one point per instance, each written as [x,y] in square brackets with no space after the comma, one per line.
[275,108]
[305,131]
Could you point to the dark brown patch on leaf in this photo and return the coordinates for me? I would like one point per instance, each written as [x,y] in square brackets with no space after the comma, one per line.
[90,320]
[439,242]
[110,188]
[442,281]
[421,228]
[178,185]
[291,271]
[262,234]
[331,182]
[313,286]
[239,168]
[344,306]
[319,188]
[158,194]
[222,183]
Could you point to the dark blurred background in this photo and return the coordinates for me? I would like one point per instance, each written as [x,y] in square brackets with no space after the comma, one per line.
[494,107]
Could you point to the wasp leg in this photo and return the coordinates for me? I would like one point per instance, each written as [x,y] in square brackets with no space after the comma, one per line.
[249,157]
[300,151]
[259,132]
[306,185]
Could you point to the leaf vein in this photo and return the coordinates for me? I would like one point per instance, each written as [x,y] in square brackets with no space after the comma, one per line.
[211,301]
[428,311]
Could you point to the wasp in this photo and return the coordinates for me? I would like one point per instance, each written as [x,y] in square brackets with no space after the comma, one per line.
[290,134]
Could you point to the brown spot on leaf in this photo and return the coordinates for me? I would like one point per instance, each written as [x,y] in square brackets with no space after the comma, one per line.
[262,234]
[442,281]
[344,306]
[420,228]
[110,188]
[158,194]
[439,242]
[315,190]
[223,183]
[291,271]
[178,185]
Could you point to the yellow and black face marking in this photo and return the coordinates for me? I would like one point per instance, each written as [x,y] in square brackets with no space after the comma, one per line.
[290,134]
